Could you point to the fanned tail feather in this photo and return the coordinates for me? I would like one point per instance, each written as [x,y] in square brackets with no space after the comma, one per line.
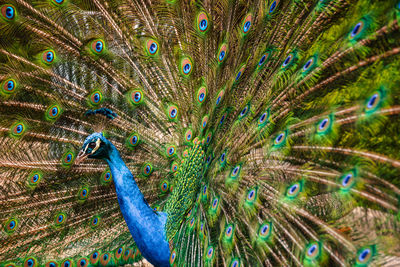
[266,130]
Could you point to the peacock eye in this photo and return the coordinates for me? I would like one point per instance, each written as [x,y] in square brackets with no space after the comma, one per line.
[222,157]
[152,47]
[174,167]
[365,255]
[287,61]
[99,46]
[347,181]
[272,7]
[19,128]
[356,29]
[188,135]
[48,57]
[312,249]
[204,123]
[170,151]
[229,230]
[240,72]
[279,137]
[251,195]
[8,12]
[147,169]
[92,145]
[95,98]
[137,96]
[323,124]
[219,98]
[247,24]
[204,189]
[201,95]
[264,229]
[215,202]
[164,186]
[222,53]
[210,252]
[11,225]
[262,118]
[235,171]
[133,140]
[10,85]
[53,112]
[203,25]
[262,60]
[30,262]
[172,112]
[186,66]
[294,190]
[202,22]
[222,119]
[172,257]
[244,111]
[308,64]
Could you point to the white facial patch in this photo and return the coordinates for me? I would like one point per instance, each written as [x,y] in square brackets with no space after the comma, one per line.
[96,147]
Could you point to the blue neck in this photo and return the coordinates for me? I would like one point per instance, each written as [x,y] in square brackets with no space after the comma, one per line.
[146,226]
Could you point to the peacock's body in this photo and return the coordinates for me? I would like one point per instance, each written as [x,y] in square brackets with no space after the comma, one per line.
[236,133]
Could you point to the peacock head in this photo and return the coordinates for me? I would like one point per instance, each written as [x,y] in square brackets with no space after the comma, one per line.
[96,146]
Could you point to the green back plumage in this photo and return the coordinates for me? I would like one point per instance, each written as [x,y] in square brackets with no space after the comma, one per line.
[266,130]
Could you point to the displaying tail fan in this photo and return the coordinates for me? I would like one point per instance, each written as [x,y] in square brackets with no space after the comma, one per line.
[231,133]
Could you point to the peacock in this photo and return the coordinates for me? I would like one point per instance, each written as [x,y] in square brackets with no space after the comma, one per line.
[199,133]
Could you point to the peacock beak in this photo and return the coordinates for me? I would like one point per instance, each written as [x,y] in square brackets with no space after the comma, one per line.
[81,157]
